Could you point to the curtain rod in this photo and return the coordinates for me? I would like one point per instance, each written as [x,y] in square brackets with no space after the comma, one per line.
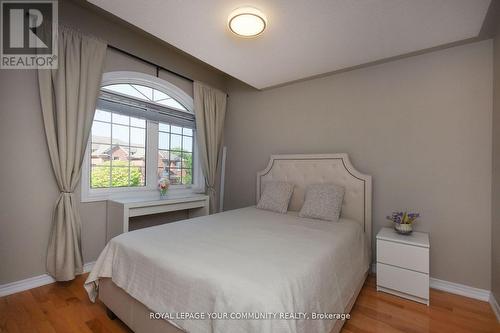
[158,67]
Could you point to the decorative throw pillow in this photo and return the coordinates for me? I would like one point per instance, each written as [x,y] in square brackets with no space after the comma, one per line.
[323,201]
[276,197]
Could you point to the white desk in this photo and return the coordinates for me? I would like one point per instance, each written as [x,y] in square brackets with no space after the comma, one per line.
[120,210]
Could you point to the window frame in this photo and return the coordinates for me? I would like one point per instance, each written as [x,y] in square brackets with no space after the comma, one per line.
[89,194]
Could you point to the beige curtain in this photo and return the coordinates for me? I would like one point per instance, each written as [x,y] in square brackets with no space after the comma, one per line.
[210,109]
[68,97]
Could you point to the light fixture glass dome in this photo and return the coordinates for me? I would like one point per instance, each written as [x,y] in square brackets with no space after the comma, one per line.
[247,22]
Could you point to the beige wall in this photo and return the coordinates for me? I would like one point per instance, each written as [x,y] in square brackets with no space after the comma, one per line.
[421,126]
[28,190]
[495,224]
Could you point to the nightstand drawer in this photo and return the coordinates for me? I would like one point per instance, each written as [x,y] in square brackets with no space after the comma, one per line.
[402,280]
[406,256]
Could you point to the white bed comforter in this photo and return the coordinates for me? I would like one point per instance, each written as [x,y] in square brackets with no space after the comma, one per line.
[244,260]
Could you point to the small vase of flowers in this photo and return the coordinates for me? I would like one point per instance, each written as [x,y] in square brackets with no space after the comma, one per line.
[163,186]
[403,221]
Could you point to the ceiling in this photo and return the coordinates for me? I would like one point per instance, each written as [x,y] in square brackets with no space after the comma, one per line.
[304,38]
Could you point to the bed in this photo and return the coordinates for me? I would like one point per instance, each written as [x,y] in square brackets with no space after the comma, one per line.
[245,270]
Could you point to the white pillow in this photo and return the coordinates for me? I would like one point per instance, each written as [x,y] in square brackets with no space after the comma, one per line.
[276,196]
[323,201]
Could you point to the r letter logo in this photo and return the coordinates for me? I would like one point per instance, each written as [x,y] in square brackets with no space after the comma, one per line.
[28,34]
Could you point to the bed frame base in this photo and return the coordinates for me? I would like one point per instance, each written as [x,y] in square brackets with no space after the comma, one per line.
[136,315]
[111,315]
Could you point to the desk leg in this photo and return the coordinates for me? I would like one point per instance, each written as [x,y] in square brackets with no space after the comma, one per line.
[116,220]
[196,212]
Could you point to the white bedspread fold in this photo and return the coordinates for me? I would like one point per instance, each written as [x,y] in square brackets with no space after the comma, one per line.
[240,261]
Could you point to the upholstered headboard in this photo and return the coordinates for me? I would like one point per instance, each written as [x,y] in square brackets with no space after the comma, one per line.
[303,170]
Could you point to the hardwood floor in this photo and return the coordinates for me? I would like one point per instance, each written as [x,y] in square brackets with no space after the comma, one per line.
[65,307]
[380,312]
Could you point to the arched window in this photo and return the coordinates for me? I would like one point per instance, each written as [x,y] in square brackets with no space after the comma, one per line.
[143,130]
[144,93]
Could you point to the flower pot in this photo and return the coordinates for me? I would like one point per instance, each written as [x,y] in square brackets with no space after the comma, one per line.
[403,228]
[163,186]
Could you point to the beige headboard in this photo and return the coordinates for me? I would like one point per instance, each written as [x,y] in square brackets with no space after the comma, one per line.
[303,170]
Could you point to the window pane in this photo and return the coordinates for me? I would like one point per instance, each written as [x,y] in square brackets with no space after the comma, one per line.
[162,172]
[164,127]
[120,156]
[143,175]
[137,176]
[163,140]
[125,89]
[163,158]
[101,132]
[119,176]
[187,143]
[172,103]
[187,177]
[120,119]
[187,131]
[187,160]
[146,91]
[137,159]
[175,176]
[100,154]
[102,115]
[175,159]
[176,129]
[137,137]
[158,95]
[175,143]
[120,134]
[137,153]
[99,176]
[138,122]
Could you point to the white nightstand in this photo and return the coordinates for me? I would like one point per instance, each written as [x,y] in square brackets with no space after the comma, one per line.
[403,264]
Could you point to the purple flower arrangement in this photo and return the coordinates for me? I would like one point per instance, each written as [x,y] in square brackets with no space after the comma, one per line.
[403,217]
[403,221]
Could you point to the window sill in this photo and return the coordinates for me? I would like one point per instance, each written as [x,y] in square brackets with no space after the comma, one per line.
[138,193]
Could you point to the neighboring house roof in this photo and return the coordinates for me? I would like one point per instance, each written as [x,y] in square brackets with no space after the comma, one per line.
[107,151]
[164,155]
[101,151]
[134,153]
[101,139]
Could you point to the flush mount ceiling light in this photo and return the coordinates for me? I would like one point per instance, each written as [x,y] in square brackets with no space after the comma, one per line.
[247,22]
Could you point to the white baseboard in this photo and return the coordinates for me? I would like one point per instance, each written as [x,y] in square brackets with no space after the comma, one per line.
[460,289]
[33,282]
[495,306]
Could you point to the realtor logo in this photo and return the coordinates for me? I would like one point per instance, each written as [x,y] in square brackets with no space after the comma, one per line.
[28,34]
